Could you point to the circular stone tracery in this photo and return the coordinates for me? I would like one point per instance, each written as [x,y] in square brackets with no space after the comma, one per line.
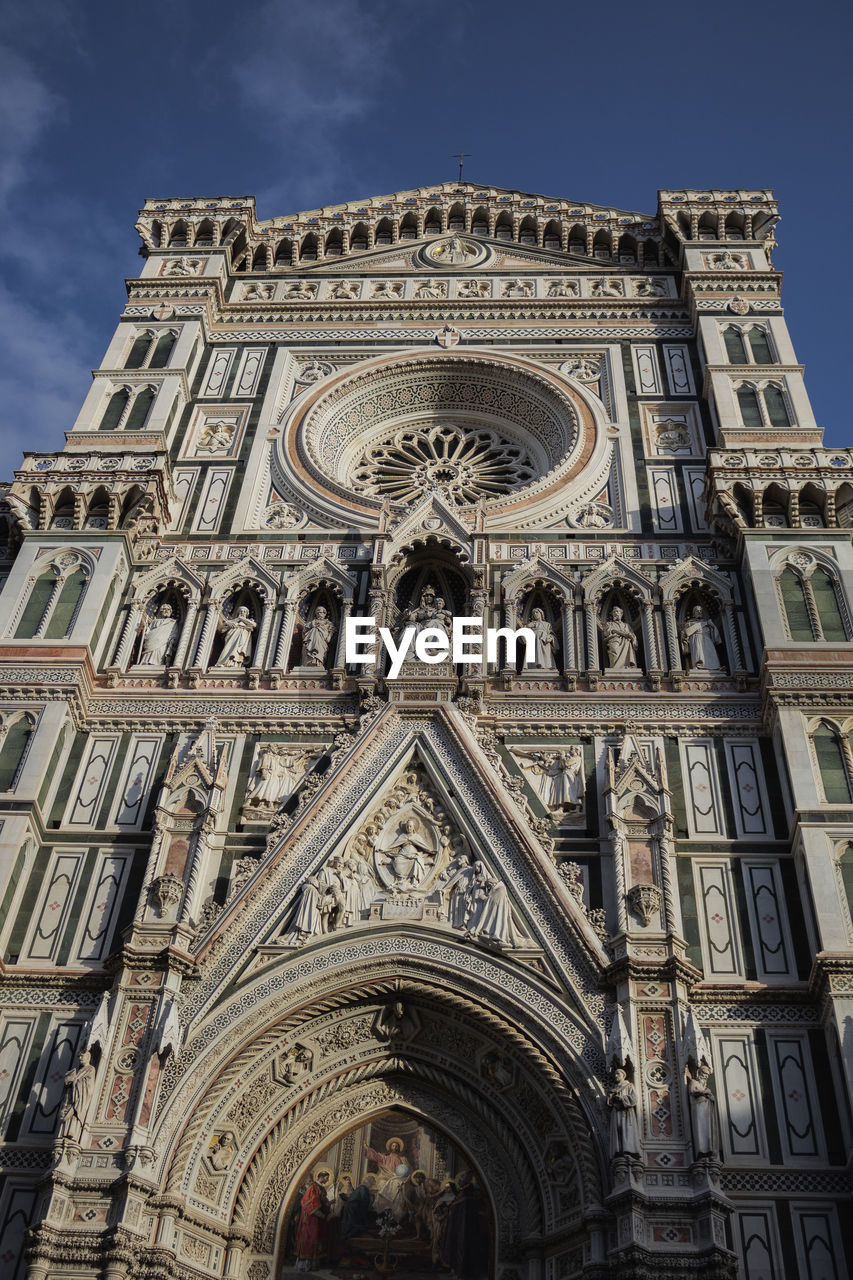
[391,429]
[449,458]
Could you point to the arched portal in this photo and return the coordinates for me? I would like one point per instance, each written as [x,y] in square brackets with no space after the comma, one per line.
[394,1193]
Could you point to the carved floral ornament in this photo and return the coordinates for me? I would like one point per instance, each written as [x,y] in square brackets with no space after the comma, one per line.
[467,426]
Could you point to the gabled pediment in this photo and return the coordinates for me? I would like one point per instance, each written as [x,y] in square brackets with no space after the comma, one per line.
[437,847]
[321,572]
[617,572]
[691,572]
[534,572]
[246,569]
[432,520]
[171,572]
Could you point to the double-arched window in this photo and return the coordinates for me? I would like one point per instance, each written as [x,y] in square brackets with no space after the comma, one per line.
[128,409]
[748,345]
[813,606]
[54,597]
[763,406]
[151,349]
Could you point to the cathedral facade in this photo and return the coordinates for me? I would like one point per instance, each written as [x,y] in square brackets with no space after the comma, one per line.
[329,946]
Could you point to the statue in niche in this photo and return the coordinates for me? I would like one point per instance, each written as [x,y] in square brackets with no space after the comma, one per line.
[317,637]
[278,769]
[474,289]
[431,289]
[407,861]
[607,288]
[337,896]
[699,640]
[237,649]
[159,637]
[563,289]
[75,1103]
[620,640]
[346,290]
[296,1062]
[622,1101]
[703,1112]
[330,878]
[558,776]
[430,611]
[546,644]
[220,1153]
[593,515]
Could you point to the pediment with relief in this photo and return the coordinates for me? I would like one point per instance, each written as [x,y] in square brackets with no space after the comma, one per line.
[410,831]
[407,861]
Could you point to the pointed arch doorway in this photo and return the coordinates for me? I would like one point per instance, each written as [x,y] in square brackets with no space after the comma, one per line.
[392,1196]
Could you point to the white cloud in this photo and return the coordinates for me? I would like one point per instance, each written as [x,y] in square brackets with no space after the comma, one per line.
[26,109]
[44,378]
[315,65]
[307,76]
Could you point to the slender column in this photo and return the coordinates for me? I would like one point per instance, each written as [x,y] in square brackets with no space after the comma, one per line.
[376,610]
[664,843]
[48,608]
[179,656]
[128,635]
[479,609]
[672,636]
[263,634]
[511,621]
[195,861]
[568,635]
[205,640]
[346,610]
[829,514]
[734,647]
[649,639]
[285,635]
[617,844]
[591,628]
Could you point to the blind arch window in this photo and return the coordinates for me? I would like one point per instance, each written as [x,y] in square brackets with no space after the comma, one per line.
[832,765]
[796,606]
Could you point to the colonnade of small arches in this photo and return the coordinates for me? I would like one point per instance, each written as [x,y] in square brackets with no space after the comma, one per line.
[721,225]
[87,506]
[786,504]
[556,234]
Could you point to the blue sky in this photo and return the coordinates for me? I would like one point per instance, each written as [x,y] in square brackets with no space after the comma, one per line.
[104,104]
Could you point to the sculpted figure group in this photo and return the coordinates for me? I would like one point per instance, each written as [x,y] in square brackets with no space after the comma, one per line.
[342,892]
[558,776]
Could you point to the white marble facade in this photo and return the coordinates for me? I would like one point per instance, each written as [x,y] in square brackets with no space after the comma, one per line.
[588,912]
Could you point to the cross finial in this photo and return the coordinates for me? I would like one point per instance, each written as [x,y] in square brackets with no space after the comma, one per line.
[462,156]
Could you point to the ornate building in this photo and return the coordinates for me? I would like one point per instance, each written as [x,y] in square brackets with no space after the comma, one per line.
[542,963]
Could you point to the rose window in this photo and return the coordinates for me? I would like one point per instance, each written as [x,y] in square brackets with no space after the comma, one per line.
[462,464]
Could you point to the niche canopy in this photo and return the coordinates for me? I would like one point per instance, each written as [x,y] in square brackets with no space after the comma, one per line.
[472,427]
